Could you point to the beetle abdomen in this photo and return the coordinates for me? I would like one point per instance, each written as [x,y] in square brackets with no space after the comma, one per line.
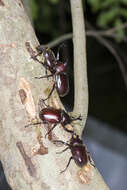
[79,155]
[50,115]
[62,84]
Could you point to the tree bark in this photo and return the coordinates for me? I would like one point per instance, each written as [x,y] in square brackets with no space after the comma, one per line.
[29,159]
[27,6]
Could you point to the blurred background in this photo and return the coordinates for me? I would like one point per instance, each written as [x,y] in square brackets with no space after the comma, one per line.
[106,27]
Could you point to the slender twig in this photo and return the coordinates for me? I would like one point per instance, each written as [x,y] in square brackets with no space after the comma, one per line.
[112,50]
[69,36]
[99,36]
[80,69]
[59,40]
[114,29]
[107,33]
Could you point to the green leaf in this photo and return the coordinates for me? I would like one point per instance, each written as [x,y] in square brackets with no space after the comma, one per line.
[108,3]
[34,8]
[120,33]
[106,17]
[95,4]
[53,1]
[124,1]
[123,12]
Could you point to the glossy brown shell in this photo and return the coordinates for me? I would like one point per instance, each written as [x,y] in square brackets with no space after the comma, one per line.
[50,115]
[62,84]
[79,155]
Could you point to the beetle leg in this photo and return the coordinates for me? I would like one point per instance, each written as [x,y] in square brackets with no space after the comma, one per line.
[77,118]
[51,129]
[63,150]
[34,57]
[43,100]
[33,124]
[50,92]
[40,48]
[45,76]
[70,131]
[46,71]
[90,160]
[42,103]
[67,164]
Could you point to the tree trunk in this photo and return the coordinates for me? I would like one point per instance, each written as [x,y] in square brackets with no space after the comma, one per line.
[29,159]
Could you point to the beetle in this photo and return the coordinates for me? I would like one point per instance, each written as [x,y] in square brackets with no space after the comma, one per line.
[52,63]
[78,151]
[58,70]
[50,115]
[54,116]
[49,61]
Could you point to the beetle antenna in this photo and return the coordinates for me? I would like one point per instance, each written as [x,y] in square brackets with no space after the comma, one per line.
[77,118]
[63,150]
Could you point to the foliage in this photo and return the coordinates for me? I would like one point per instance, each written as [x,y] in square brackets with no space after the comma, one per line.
[47,16]
[46,19]
[111,13]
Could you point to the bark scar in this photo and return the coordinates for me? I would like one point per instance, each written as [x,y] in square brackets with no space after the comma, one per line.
[42,150]
[30,166]
[22,95]
[27,100]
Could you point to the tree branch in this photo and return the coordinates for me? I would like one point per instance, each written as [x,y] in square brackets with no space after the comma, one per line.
[112,30]
[80,69]
[59,40]
[111,49]
[99,37]
[30,160]
[80,75]
[110,33]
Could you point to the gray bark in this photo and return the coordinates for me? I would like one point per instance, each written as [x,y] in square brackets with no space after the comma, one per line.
[29,160]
